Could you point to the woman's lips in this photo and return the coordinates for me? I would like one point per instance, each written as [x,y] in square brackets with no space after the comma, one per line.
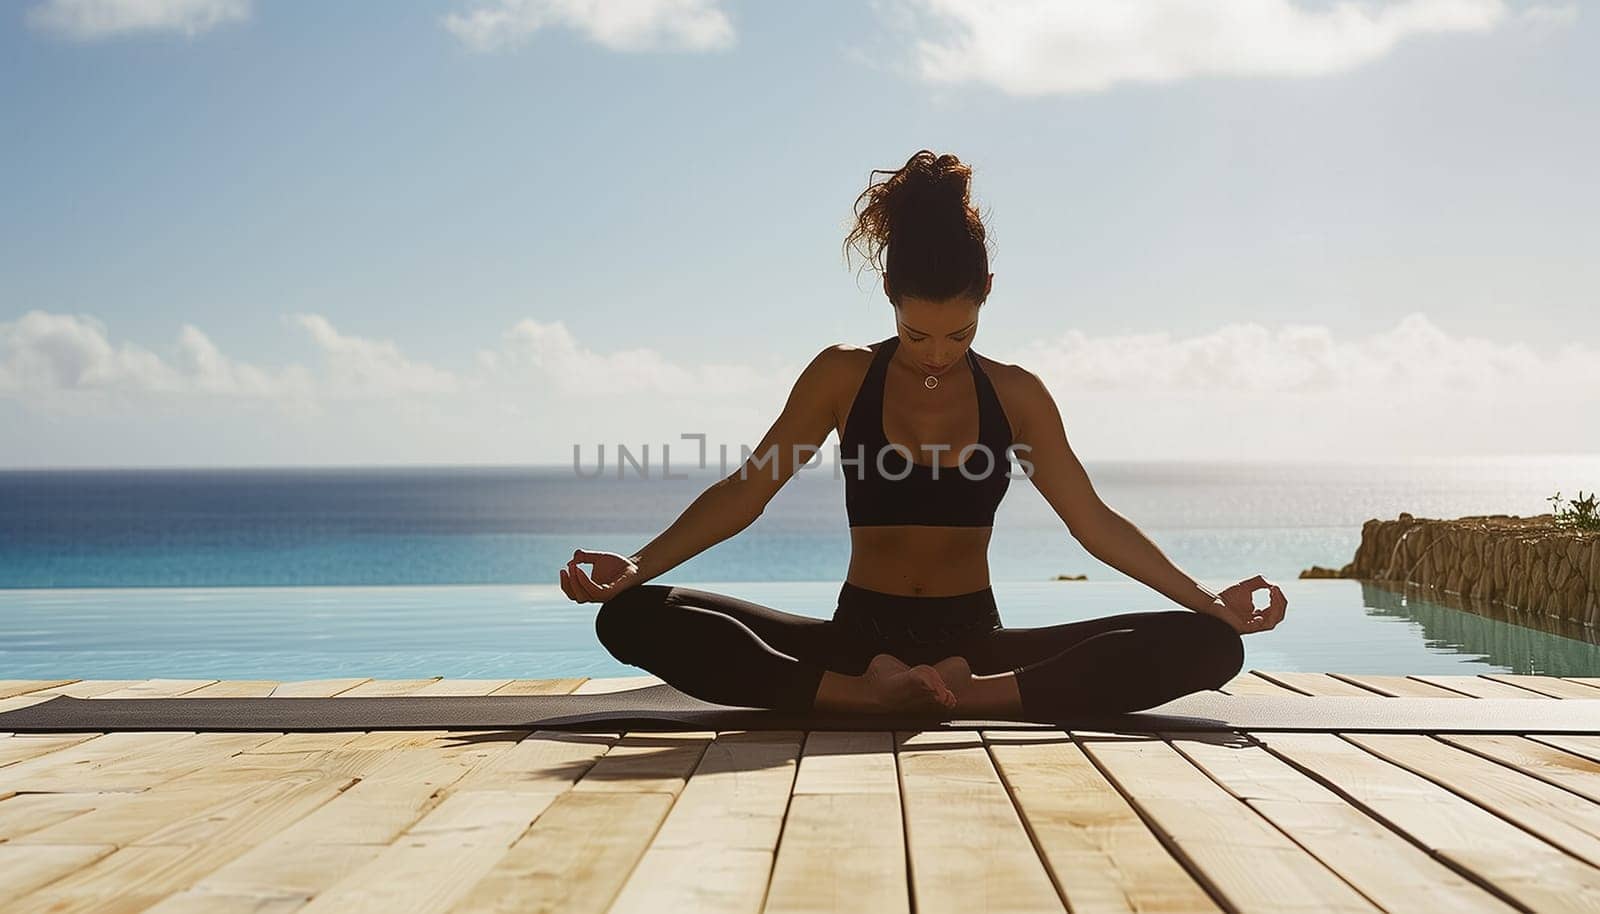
[934,369]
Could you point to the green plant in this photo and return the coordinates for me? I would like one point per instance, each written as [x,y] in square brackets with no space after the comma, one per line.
[1581,513]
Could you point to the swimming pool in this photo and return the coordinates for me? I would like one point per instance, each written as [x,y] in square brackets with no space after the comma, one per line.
[536,632]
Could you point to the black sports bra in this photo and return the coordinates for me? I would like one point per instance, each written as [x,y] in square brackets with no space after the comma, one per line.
[884,486]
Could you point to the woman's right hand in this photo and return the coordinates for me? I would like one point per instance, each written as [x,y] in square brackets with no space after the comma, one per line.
[1239,610]
[613,574]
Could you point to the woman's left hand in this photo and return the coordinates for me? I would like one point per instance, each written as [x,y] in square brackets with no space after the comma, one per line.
[1237,606]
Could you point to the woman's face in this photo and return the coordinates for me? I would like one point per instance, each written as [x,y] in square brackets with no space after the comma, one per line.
[935,335]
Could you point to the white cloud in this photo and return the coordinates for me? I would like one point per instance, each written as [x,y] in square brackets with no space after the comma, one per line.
[53,354]
[1245,389]
[355,366]
[1038,47]
[620,25]
[86,20]
[1415,358]
[550,353]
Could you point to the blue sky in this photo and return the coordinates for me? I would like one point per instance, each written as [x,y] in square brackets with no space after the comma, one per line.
[242,232]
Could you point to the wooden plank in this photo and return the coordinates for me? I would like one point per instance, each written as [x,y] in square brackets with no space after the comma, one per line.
[249,767]
[736,795]
[123,818]
[462,687]
[1101,855]
[18,702]
[23,746]
[173,857]
[714,852]
[30,868]
[75,764]
[235,688]
[391,740]
[1553,686]
[547,761]
[1584,680]
[127,880]
[129,817]
[374,811]
[153,764]
[158,688]
[381,688]
[26,813]
[574,858]
[540,686]
[1320,684]
[269,878]
[848,762]
[89,688]
[338,838]
[1587,746]
[968,849]
[1228,846]
[126,817]
[842,847]
[439,859]
[647,762]
[1576,773]
[616,684]
[1252,682]
[1398,686]
[306,742]
[11,687]
[1542,808]
[1479,687]
[1481,846]
[316,688]
[252,813]
[1381,864]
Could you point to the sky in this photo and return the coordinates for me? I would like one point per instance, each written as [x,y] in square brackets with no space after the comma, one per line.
[247,232]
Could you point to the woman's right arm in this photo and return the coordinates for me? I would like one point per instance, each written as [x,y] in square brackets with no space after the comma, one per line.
[733,503]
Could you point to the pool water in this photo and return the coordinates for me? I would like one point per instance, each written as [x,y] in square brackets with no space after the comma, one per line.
[535,632]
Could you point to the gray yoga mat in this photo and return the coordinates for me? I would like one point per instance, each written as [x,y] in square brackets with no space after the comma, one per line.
[662,707]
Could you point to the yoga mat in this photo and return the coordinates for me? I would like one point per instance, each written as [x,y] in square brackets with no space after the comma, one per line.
[662,707]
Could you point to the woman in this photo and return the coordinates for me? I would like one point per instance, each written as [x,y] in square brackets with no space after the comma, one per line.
[916,628]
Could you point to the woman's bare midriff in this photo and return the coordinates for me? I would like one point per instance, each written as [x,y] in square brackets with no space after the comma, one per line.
[919,561]
[910,559]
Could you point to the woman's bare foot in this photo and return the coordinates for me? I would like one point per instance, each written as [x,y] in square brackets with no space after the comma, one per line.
[887,685]
[992,696]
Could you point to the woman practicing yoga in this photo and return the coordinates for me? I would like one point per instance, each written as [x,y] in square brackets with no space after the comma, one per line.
[916,628]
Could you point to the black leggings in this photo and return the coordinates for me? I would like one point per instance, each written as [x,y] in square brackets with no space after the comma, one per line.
[731,651]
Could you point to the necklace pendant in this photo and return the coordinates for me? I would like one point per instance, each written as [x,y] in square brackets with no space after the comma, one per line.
[930,382]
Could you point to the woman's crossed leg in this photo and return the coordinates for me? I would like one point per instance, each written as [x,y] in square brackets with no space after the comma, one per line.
[1107,665]
[723,649]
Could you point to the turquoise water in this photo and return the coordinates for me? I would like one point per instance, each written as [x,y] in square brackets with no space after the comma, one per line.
[429,571]
[536,632]
[425,526]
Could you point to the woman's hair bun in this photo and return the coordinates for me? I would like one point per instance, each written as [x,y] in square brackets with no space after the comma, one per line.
[921,217]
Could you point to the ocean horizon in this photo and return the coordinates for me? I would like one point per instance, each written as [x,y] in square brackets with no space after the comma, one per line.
[479,525]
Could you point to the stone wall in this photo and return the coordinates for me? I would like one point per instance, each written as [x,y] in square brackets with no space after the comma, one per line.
[1525,563]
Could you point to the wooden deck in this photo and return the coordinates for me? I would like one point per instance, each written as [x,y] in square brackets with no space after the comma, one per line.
[1081,821]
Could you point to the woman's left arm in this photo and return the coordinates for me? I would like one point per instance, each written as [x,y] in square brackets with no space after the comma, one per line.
[1047,459]
[1115,540]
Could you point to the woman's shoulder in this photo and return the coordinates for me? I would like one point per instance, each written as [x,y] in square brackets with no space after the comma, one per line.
[851,358]
[1006,376]
[1019,390]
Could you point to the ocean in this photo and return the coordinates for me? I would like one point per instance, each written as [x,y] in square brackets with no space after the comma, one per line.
[414,572]
[483,525]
